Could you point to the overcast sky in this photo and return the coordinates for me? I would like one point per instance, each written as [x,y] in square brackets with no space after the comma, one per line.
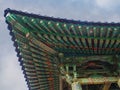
[11,76]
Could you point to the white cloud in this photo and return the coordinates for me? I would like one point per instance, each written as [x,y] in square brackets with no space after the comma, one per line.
[115,17]
[11,77]
[107,4]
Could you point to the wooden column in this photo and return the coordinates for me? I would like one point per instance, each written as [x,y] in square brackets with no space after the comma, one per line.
[118,82]
[61,83]
[106,86]
[76,86]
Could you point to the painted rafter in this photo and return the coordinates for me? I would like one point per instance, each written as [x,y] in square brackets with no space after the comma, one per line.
[38,39]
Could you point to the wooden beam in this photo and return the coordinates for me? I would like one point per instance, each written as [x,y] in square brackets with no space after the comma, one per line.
[97,80]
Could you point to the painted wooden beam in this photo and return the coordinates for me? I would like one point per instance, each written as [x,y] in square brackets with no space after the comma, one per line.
[97,80]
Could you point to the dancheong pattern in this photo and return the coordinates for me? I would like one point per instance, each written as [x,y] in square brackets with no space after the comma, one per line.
[46,46]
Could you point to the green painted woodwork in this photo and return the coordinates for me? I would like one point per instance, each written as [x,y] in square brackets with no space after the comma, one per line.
[69,37]
[79,50]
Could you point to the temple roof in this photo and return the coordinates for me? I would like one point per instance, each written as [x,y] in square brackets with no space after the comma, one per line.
[40,39]
[68,36]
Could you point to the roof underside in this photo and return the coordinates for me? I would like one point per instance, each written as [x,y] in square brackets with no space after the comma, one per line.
[39,40]
[69,37]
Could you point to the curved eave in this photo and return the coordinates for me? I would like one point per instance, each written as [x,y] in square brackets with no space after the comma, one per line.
[59,19]
[17,50]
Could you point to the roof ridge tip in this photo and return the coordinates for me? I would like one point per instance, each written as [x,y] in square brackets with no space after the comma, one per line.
[6,11]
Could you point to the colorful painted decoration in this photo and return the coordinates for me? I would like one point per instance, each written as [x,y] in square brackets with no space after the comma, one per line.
[50,47]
